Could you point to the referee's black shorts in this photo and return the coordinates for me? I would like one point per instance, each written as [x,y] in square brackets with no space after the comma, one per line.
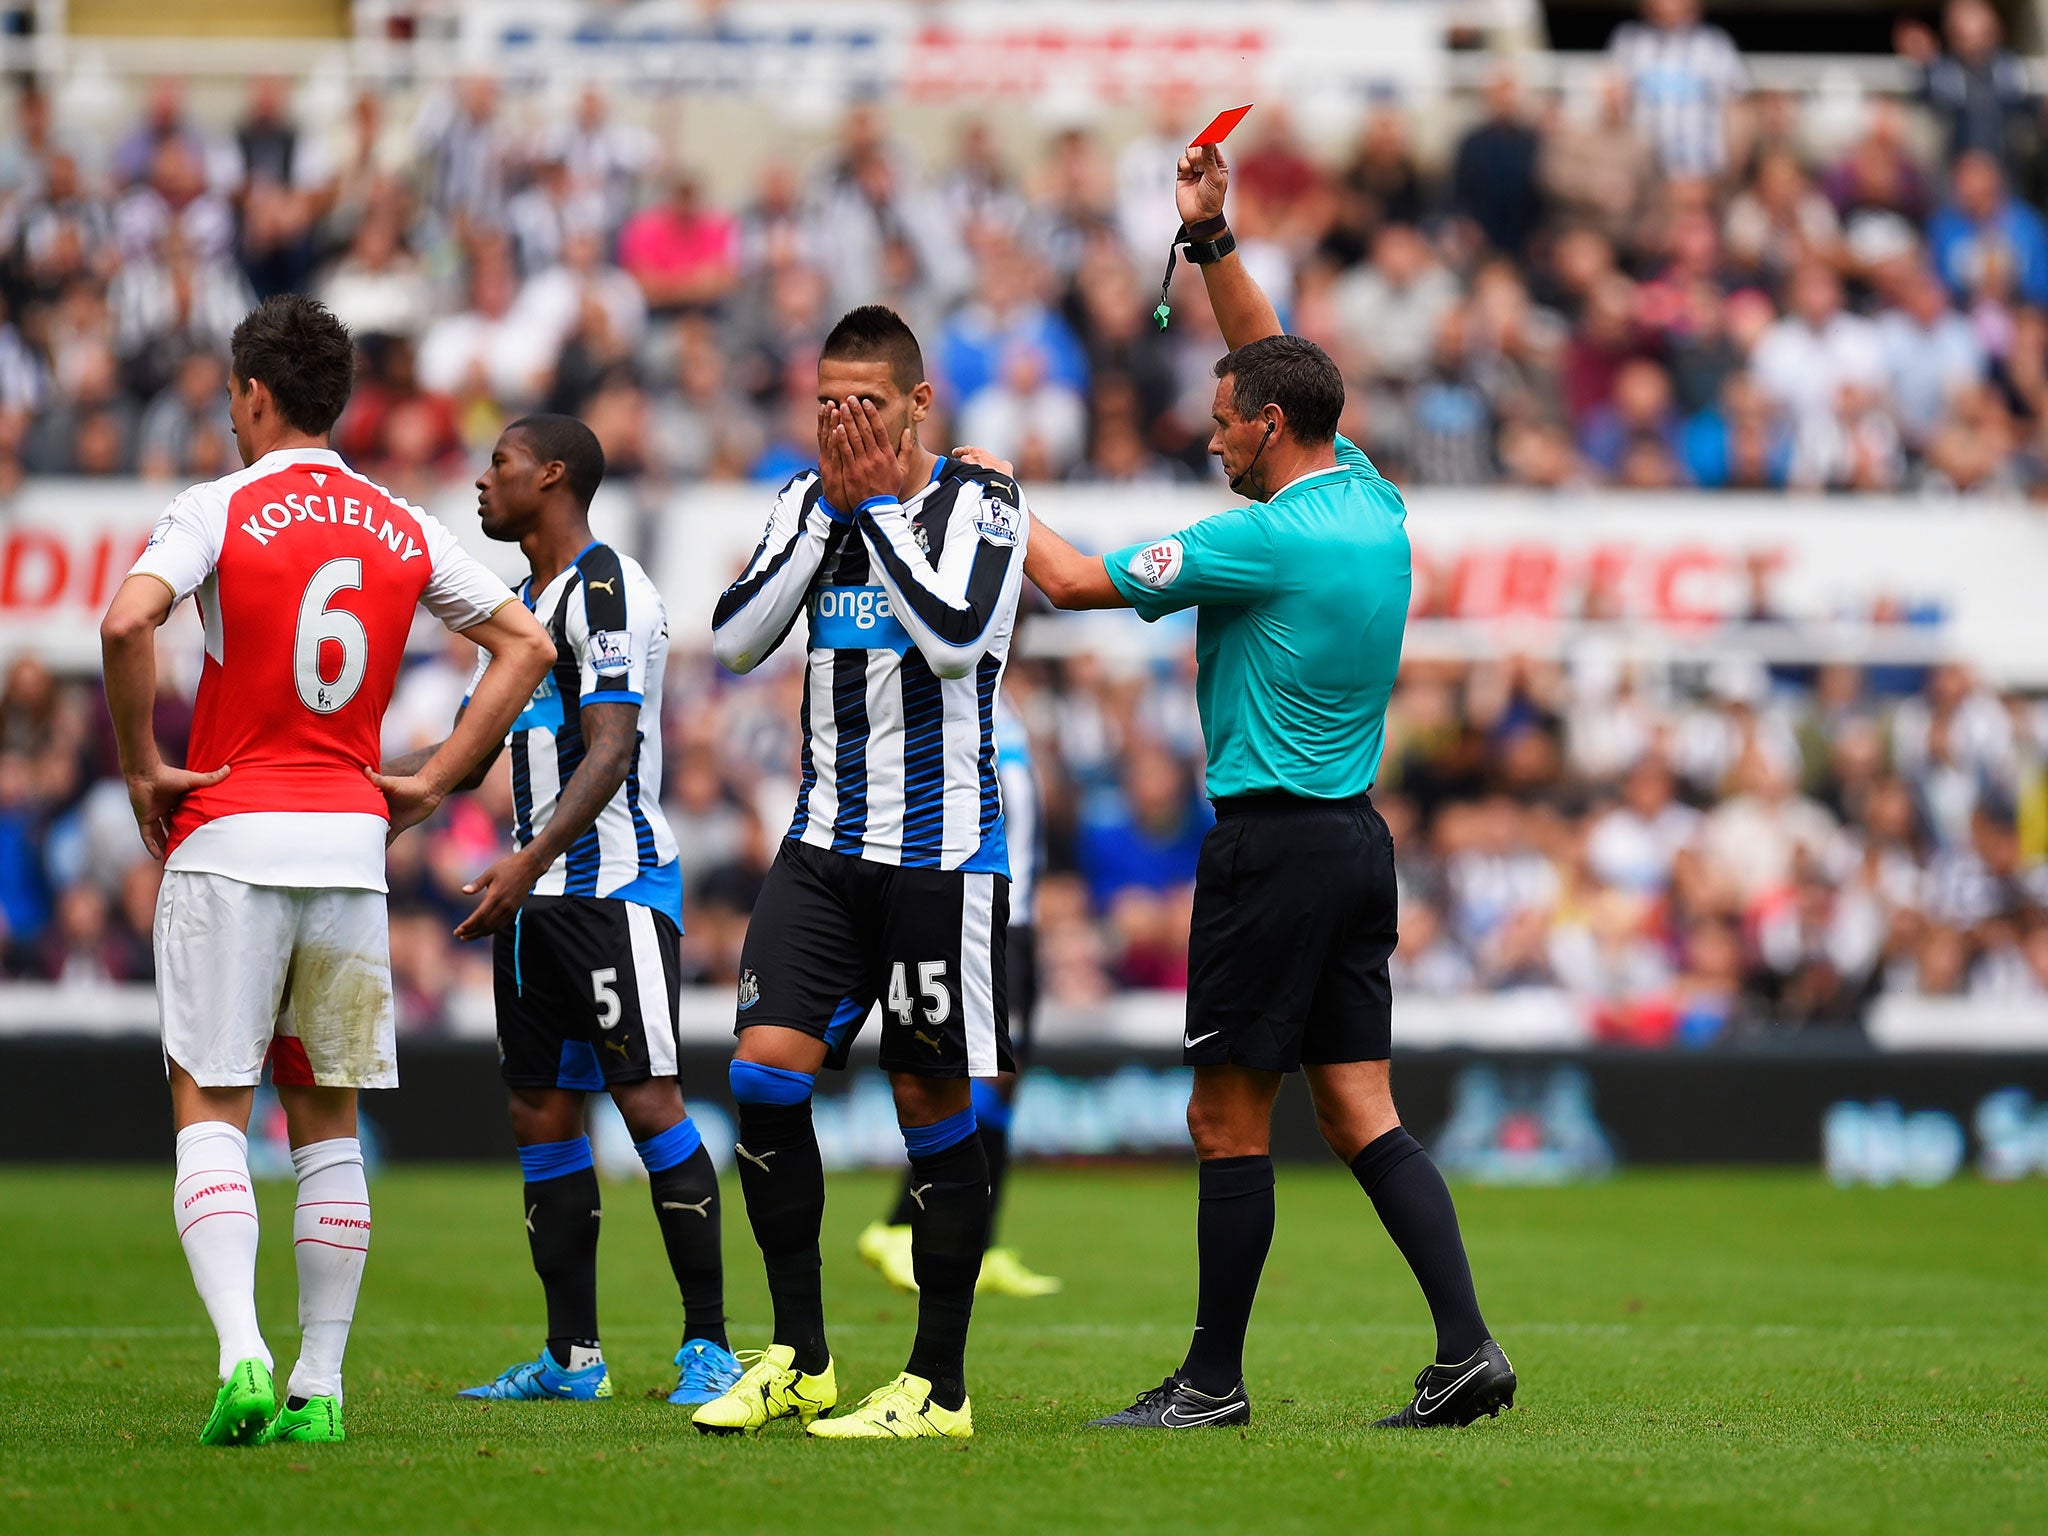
[1293,926]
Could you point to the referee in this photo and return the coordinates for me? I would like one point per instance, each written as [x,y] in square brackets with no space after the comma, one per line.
[1301,600]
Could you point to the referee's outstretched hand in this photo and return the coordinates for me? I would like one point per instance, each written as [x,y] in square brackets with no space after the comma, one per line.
[1200,180]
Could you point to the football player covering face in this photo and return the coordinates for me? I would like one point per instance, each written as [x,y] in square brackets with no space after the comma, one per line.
[869,388]
[892,884]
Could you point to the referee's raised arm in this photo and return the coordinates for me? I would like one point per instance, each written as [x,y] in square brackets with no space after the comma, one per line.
[1243,312]
[1262,447]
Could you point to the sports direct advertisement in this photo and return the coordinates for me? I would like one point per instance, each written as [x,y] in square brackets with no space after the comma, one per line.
[1897,580]
[1786,577]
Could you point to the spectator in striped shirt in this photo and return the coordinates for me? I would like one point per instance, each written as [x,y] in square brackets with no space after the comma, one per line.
[1684,74]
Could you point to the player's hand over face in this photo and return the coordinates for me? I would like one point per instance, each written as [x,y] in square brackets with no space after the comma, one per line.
[409,798]
[831,461]
[503,886]
[1200,180]
[981,458]
[872,466]
[154,795]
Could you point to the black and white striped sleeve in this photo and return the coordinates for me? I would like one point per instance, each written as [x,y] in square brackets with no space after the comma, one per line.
[955,609]
[757,612]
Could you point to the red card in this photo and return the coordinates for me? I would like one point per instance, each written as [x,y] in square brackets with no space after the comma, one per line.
[1219,130]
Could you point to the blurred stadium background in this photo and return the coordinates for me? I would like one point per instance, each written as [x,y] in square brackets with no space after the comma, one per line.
[1713,357]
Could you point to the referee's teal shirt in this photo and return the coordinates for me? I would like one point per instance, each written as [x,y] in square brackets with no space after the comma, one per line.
[1303,600]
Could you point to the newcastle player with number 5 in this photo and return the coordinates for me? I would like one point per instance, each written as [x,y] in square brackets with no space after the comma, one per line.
[586,915]
[1302,598]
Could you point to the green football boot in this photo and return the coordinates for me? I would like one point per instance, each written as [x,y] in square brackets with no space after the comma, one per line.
[247,1400]
[318,1423]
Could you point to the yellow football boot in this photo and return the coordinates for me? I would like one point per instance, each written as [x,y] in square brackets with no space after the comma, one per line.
[771,1388]
[903,1410]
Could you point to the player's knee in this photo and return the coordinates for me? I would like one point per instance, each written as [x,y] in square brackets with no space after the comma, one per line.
[1340,1131]
[649,1108]
[928,1100]
[1222,1129]
[755,1082]
[543,1116]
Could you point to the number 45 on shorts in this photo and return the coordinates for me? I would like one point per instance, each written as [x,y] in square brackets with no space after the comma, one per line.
[931,985]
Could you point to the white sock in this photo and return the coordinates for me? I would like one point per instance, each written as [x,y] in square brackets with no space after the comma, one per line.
[214,1202]
[331,1239]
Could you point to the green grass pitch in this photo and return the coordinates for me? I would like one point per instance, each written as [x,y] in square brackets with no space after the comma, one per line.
[1699,1352]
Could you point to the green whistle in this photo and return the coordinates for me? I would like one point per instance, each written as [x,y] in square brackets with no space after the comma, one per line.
[1161,313]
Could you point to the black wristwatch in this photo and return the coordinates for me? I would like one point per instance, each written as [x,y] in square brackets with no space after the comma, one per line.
[1206,242]
[1209,241]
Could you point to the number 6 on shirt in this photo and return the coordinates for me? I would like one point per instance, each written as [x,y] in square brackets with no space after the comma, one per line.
[318,624]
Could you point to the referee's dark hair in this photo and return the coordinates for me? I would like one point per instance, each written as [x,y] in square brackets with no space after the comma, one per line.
[305,357]
[567,441]
[1292,373]
[875,333]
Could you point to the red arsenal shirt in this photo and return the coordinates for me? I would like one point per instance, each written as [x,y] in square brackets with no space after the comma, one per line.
[307,576]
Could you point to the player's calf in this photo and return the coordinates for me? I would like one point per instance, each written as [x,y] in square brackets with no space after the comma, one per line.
[331,1243]
[563,1211]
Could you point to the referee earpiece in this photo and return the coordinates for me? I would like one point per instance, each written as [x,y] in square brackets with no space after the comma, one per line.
[1237,480]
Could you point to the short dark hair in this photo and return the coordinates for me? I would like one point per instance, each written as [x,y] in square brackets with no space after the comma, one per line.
[302,353]
[875,333]
[1292,373]
[567,441]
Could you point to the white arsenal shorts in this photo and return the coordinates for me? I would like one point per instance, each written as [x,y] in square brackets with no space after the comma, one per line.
[303,976]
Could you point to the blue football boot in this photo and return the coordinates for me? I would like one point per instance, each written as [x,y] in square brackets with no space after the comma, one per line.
[708,1371]
[545,1379]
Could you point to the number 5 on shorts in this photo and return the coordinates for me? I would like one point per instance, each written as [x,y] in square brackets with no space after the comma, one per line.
[608,1006]
[931,982]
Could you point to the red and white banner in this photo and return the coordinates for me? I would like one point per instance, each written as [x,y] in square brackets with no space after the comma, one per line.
[1876,579]
[1781,577]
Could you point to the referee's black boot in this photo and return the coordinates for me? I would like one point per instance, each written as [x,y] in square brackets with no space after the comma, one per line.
[1452,1396]
[1173,1404]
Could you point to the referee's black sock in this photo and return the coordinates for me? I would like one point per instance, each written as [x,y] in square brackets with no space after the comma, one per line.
[684,1186]
[783,1179]
[562,1217]
[1233,1230]
[948,1231]
[1415,1207]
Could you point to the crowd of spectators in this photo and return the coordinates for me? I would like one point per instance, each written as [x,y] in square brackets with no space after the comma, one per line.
[1697,857]
[1663,279]
[1675,281]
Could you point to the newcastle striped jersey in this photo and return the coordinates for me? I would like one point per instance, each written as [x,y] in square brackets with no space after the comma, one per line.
[910,606]
[611,647]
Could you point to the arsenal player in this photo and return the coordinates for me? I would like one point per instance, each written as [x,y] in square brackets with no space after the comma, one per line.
[271,937]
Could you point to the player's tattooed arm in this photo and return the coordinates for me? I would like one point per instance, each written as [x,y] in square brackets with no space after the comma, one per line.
[521,653]
[412,762]
[128,651]
[611,735]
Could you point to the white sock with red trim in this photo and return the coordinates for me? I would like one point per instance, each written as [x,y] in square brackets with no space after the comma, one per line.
[214,1201]
[331,1239]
